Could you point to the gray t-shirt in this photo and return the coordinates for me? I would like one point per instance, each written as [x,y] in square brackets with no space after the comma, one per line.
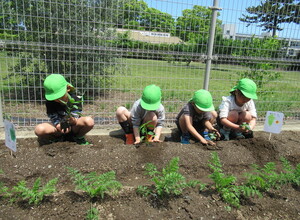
[189,110]
[138,114]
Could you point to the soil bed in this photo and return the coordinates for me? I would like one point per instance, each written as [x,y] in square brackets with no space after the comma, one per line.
[109,153]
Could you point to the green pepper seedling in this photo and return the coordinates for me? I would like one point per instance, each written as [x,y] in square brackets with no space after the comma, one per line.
[245,126]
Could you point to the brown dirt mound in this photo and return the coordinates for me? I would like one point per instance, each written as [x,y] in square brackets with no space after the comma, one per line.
[109,153]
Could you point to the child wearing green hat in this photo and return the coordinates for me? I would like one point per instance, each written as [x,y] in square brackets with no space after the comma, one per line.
[238,108]
[58,93]
[196,116]
[147,108]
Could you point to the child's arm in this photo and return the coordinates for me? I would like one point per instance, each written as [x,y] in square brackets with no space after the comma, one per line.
[157,134]
[136,132]
[252,123]
[225,122]
[188,121]
[210,127]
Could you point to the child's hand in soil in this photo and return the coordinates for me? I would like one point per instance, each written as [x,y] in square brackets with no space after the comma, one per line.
[208,142]
[156,140]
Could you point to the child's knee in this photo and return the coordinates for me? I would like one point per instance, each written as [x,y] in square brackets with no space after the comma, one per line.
[245,116]
[122,113]
[89,121]
[233,116]
[41,129]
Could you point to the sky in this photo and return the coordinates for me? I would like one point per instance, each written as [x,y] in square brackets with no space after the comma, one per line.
[231,11]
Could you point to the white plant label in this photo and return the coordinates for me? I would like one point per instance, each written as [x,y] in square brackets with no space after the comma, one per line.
[10,135]
[273,122]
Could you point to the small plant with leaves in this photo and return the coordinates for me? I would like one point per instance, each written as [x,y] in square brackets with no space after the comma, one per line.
[95,185]
[226,184]
[245,126]
[4,190]
[71,105]
[92,214]
[167,182]
[268,177]
[145,132]
[264,178]
[35,194]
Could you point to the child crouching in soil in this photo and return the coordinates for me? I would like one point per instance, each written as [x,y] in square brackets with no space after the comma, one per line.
[237,116]
[148,110]
[196,117]
[61,99]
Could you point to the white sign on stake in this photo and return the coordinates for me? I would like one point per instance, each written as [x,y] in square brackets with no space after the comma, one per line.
[10,135]
[273,122]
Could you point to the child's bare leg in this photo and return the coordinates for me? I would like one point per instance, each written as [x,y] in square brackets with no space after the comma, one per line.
[46,131]
[123,117]
[122,114]
[233,116]
[244,116]
[83,126]
[150,116]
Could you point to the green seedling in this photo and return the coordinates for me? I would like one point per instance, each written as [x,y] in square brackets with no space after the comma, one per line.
[144,131]
[36,194]
[245,126]
[95,185]
[92,214]
[226,184]
[167,182]
[70,106]
[212,136]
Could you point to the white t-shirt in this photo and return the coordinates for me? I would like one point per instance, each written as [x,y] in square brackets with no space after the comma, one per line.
[228,104]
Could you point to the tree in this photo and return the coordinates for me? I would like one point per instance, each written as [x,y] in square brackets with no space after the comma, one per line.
[62,36]
[271,13]
[154,20]
[194,24]
[128,13]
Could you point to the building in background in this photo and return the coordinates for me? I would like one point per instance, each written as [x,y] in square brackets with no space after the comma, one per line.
[291,51]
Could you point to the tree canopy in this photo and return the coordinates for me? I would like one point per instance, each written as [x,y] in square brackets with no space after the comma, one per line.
[271,13]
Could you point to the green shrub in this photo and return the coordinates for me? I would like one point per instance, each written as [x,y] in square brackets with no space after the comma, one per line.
[95,185]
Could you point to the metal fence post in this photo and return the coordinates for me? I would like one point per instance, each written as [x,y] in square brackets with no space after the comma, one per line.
[210,46]
[1,113]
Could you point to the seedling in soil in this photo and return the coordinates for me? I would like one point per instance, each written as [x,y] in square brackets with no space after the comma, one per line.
[95,185]
[3,189]
[92,214]
[70,106]
[145,132]
[36,194]
[167,182]
[245,126]
[212,136]
[267,177]
[226,184]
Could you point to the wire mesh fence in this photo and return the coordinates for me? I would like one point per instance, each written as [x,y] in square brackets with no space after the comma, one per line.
[109,50]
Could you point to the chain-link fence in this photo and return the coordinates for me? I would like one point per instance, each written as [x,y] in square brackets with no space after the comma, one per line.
[111,49]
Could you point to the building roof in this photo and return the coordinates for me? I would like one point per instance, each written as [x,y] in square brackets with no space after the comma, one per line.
[152,37]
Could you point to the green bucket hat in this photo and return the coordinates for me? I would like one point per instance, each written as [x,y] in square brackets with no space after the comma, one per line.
[247,87]
[203,100]
[151,97]
[55,86]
